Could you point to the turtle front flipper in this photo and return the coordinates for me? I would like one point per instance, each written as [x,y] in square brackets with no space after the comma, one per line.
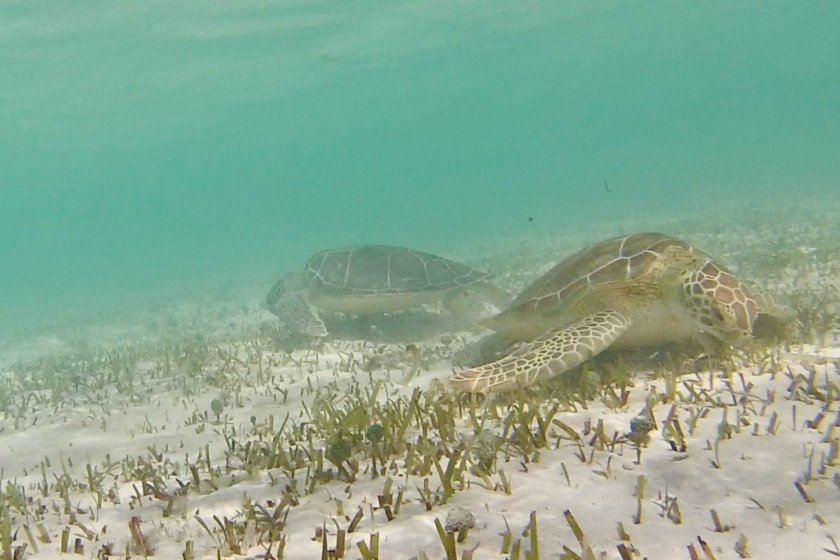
[299,315]
[556,351]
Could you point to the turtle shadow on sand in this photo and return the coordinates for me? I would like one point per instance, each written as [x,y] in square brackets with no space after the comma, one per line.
[399,327]
[402,327]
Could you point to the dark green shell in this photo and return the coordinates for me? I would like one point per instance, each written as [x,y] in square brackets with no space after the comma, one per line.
[371,270]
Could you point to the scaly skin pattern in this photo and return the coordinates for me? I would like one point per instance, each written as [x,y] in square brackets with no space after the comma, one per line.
[719,302]
[556,351]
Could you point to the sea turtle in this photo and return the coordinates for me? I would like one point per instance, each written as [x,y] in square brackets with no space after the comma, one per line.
[372,279]
[635,290]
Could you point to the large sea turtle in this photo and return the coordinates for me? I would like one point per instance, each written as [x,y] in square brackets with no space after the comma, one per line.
[639,289]
[372,279]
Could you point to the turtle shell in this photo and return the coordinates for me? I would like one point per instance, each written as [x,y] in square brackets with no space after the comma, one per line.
[374,270]
[545,302]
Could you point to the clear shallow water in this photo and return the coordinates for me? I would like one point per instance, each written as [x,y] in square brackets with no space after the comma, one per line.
[160,149]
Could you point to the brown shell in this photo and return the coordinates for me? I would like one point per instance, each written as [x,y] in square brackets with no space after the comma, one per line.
[621,259]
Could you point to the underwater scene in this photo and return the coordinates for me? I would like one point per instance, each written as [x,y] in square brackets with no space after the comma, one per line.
[422,280]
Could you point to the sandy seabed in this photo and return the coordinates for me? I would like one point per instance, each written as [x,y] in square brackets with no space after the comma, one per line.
[198,432]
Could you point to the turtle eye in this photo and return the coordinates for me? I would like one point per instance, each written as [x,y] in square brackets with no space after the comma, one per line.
[717,314]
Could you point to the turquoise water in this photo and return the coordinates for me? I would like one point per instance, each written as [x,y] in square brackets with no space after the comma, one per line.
[150,150]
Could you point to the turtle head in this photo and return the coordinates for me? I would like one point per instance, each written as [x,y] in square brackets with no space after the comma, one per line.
[290,282]
[718,303]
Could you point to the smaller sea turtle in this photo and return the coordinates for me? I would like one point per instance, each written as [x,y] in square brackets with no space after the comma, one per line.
[372,279]
[640,289]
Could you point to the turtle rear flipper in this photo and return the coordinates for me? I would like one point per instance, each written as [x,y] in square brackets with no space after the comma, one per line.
[493,294]
[472,301]
[556,351]
[298,314]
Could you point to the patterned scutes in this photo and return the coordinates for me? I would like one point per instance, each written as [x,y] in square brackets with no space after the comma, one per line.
[384,269]
[619,259]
